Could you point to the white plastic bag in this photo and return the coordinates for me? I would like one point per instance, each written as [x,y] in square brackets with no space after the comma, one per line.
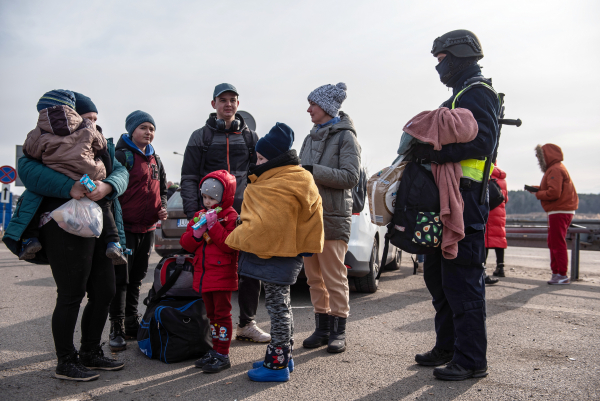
[81,217]
[381,190]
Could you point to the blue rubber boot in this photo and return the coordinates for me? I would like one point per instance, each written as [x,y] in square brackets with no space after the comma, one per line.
[275,367]
[263,374]
[258,364]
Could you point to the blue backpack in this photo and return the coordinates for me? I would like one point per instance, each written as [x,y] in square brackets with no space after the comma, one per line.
[174,328]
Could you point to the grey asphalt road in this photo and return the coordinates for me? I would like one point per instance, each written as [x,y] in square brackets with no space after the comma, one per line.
[543,344]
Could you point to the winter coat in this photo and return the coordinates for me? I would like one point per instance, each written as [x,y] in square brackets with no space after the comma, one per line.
[215,264]
[495,230]
[557,191]
[67,143]
[282,213]
[335,171]
[228,151]
[147,190]
[42,181]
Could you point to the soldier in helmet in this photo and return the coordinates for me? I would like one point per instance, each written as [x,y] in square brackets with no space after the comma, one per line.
[457,285]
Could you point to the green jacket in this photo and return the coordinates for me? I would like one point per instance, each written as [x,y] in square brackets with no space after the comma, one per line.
[42,181]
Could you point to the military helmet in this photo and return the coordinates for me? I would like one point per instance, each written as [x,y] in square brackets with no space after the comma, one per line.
[460,43]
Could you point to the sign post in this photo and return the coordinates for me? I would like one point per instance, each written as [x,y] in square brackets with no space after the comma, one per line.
[18,182]
[7,176]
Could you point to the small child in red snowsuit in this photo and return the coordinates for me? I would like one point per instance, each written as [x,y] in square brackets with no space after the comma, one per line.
[215,273]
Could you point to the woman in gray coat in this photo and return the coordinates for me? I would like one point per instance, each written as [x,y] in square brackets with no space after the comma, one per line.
[332,154]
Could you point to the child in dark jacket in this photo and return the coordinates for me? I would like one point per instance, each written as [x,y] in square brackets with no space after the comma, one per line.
[215,273]
[282,220]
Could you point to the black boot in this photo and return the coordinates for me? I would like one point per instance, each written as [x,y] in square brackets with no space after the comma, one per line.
[435,357]
[94,359]
[321,335]
[117,335]
[70,368]
[499,272]
[132,324]
[337,335]
[490,280]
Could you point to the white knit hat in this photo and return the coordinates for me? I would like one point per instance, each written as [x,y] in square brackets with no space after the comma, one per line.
[329,97]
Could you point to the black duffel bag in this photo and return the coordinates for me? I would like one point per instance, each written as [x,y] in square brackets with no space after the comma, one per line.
[174,328]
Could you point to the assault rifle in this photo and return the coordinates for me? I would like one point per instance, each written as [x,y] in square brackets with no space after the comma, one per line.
[492,159]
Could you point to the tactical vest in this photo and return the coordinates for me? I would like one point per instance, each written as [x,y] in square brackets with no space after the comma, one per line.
[473,168]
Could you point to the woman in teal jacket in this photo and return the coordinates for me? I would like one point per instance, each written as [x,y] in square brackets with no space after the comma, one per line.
[79,265]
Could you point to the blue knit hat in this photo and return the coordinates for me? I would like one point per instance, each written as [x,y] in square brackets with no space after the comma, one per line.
[84,104]
[56,97]
[278,141]
[135,119]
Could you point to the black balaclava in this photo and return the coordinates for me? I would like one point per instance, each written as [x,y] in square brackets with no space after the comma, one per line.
[450,66]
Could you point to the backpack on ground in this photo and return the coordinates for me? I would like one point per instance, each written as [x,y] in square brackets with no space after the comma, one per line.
[175,326]
[359,192]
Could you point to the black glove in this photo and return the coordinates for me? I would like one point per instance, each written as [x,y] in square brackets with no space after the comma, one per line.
[308,167]
[424,153]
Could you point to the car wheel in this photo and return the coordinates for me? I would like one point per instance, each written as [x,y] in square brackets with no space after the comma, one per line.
[369,283]
[395,263]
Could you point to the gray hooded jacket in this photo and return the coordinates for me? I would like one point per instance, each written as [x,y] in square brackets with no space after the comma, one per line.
[335,171]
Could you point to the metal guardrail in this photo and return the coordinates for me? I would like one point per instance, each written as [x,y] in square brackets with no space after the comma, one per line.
[534,234]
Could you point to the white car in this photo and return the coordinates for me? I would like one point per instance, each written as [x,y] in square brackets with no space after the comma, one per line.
[365,251]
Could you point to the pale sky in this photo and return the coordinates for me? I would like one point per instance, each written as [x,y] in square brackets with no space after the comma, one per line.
[166,57]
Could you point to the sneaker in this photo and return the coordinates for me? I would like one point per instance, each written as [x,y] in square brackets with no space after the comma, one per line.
[115,253]
[251,332]
[70,368]
[558,279]
[132,325]
[200,363]
[218,363]
[435,357]
[29,248]
[95,359]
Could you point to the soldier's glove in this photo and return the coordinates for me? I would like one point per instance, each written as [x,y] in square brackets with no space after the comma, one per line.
[424,153]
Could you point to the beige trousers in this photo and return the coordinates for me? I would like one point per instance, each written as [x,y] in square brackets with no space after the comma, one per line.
[328,279]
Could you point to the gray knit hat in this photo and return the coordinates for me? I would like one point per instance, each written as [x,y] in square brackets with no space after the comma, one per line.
[329,97]
[213,188]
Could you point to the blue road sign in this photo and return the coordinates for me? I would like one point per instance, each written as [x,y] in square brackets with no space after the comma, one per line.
[7,174]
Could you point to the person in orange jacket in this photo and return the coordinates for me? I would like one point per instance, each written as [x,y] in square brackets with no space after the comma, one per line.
[559,199]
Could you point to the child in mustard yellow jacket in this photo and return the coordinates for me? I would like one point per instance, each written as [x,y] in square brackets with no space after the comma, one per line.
[282,220]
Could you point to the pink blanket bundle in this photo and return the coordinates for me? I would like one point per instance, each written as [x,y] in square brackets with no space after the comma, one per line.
[442,127]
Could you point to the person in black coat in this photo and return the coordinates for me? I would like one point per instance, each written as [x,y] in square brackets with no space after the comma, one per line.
[457,285]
